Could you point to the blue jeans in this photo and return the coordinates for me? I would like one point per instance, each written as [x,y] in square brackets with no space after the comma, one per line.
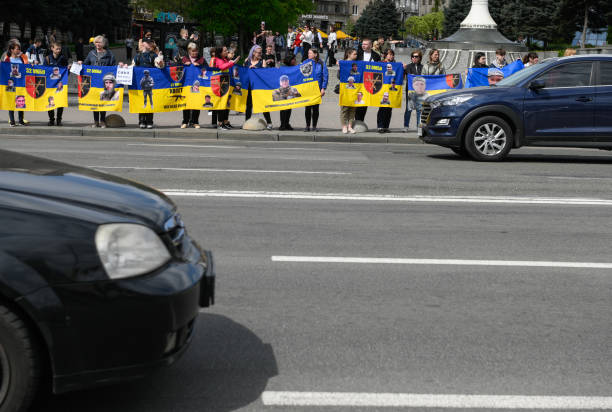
[407,114]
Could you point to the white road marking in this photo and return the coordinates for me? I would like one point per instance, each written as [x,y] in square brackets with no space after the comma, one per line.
[392,198]
[187,145]
[577,178]
[185,169]
[453,262]
[414,400]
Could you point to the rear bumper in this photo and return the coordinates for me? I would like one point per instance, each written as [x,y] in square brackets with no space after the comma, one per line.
[104,332]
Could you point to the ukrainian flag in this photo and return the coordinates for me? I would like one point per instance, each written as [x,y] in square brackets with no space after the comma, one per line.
[479,77]
[285,87]
[375,84]
[24,87]
[156,90]
[98,89]
[208,89]
[435,84]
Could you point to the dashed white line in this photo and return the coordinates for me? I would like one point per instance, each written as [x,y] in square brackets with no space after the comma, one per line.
[410,400]
[392,198]
[452,262]
[186,169]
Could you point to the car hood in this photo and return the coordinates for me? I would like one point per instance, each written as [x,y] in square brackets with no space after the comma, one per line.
[40,177]
[478,91]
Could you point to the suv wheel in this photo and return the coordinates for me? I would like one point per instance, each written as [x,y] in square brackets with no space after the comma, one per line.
[19,363]
[488,139]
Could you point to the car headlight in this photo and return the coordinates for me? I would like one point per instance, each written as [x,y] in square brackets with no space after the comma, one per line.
[451,101]
[128,249]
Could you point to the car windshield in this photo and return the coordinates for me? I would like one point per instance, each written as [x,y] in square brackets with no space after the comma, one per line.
[521,75]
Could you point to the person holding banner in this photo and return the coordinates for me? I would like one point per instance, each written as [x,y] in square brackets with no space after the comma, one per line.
[415,67]
[16,57]
[500,59]
[434,65]
[255,61]
[366,54]
[100,56]
[312,112]
[147,58]
[347,113]
[480,61]
[222,63]
[57,59]
[530,59]
[285,115]
[383,117]
[191,118]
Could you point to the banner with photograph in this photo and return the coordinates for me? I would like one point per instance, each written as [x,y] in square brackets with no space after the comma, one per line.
[488,77]
[375,84]
[24,87]
[285,87]
[207,89]
[156,90]
[98,89]
[420,87]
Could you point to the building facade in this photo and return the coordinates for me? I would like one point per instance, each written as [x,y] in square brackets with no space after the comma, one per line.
[327,13]
[406,8]
[427,6]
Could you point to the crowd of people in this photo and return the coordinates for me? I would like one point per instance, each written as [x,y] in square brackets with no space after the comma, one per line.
[267,51]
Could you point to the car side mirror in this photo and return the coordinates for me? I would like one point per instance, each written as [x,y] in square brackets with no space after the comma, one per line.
[537,84]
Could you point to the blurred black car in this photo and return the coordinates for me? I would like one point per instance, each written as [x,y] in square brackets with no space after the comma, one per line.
[99,281]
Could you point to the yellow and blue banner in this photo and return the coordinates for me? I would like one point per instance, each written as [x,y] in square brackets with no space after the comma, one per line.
[98,89]
[285,87]
[156,90]
[24,87]
[375,84]
[488,77]
[208,89]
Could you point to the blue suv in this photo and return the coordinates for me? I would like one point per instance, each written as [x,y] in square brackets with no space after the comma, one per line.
[559,102]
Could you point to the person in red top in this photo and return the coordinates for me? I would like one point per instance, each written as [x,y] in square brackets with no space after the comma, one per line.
[221,62]
[297,44]
[192,117]
[16,57]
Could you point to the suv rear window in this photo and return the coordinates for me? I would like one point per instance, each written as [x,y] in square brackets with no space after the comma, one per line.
[605,73]
[568,75]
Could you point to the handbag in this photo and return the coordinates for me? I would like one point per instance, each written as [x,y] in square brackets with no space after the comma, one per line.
[337,89]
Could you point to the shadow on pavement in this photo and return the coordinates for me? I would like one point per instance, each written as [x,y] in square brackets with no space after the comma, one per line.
[227,367]
[537,158]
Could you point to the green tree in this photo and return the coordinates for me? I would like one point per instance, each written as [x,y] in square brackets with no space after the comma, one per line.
[435,23]
[244,16]
[417,26]
[579,15]
[379,18]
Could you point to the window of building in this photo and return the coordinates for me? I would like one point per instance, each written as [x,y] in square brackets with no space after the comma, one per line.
[355,10]
[430,2]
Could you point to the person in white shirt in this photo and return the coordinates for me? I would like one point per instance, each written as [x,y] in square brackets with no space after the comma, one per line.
[332,42]
[307,42]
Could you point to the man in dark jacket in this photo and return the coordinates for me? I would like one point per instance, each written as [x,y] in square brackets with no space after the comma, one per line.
[366,54]
[57,59]
[415,67]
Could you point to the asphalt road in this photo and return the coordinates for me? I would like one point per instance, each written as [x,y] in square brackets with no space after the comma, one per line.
[508,316]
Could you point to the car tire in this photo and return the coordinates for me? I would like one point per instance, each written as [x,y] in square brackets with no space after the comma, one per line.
[488,139]
[460,151]
[20,366]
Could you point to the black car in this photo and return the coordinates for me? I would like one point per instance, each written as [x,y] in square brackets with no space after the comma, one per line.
[99,281]
[560,102]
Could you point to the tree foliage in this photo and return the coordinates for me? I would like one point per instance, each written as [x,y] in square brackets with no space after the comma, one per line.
[572,14]
[379,18]
[428,26]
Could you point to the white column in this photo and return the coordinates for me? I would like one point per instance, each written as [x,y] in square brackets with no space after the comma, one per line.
[479,16]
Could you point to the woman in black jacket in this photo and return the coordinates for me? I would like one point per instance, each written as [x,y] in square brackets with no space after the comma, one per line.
[415,67]
[100,56]
[480,61]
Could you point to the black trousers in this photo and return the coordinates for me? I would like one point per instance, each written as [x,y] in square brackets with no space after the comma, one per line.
[383,117]
[312,113]
[285,115]
[306,47]
[222,115]
[360,113]
[191,116]
[249,110]
[60,111]
[12,116]
[145,118]
[99,116]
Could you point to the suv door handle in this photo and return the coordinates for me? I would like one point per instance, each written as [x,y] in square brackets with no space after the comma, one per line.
[584,99]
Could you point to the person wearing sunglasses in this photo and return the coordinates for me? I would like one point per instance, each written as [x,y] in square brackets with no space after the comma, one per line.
[415,67]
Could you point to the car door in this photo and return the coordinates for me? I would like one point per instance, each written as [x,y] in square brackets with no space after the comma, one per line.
[603,103]
[564,110]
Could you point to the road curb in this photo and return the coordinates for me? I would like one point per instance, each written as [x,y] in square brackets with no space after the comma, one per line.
[208,133]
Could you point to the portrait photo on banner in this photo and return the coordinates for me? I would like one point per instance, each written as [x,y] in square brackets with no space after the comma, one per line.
[98,89]
[375,84]
[32,88]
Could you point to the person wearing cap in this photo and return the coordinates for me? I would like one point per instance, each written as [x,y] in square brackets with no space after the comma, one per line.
[494,76]
[110,93]
[285,91]
[100,56]
[147,58]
